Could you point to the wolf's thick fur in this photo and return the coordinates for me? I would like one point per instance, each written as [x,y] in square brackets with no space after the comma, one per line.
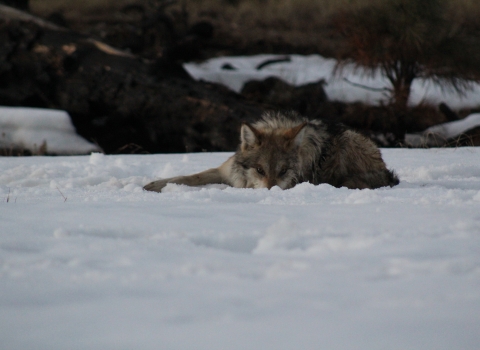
[286,149]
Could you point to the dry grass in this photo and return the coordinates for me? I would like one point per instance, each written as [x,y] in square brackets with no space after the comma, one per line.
[269,10]
[273,25]
[295,23]
[297,13]
[278,14]
[74,9]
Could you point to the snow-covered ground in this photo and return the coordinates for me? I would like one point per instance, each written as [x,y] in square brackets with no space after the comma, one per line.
[88,260]
[347,85]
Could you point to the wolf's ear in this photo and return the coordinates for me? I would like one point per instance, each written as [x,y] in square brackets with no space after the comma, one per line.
[249,136]
[297,133]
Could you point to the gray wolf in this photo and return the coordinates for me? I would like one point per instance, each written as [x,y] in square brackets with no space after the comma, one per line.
[284,149]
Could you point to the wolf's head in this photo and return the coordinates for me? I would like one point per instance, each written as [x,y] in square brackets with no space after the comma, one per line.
[270,154]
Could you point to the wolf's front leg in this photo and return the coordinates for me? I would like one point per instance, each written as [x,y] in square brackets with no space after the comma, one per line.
[211,176]
[156,186]
[220,175]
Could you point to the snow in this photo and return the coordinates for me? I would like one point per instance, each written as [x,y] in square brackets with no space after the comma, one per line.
[344,86]
[456,128]
[34,128]
[437,135]
[88,260]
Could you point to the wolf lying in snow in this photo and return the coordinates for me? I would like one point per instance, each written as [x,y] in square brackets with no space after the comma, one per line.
[284,149]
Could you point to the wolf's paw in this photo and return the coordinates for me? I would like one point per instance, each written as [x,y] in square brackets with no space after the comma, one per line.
[155,186]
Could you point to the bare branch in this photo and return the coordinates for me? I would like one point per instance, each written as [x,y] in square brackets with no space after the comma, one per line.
[367,87]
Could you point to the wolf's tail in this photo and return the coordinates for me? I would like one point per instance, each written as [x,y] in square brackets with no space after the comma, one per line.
[392,178]
[380,178]
[371,179]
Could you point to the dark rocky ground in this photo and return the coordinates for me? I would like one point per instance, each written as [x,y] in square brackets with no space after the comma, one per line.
[141,100]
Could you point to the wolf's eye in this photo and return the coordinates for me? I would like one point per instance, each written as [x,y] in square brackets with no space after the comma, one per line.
[260,170]
[282,172]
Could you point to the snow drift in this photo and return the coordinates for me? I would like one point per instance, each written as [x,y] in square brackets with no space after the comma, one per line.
[38,128]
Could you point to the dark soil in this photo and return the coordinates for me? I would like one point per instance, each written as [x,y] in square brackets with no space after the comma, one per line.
[123,103]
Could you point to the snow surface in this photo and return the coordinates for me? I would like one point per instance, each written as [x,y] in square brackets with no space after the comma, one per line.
[344,86]
[88,260]
[32,128]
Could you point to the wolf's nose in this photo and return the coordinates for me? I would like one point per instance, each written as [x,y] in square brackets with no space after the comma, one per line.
[271,183]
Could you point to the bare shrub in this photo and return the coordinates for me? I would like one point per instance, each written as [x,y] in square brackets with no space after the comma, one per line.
[409,39]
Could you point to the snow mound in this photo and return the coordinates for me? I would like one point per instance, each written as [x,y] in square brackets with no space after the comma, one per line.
[456,128]
[36,128]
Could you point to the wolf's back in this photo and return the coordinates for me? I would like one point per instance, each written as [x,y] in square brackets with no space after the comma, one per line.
[331,153]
